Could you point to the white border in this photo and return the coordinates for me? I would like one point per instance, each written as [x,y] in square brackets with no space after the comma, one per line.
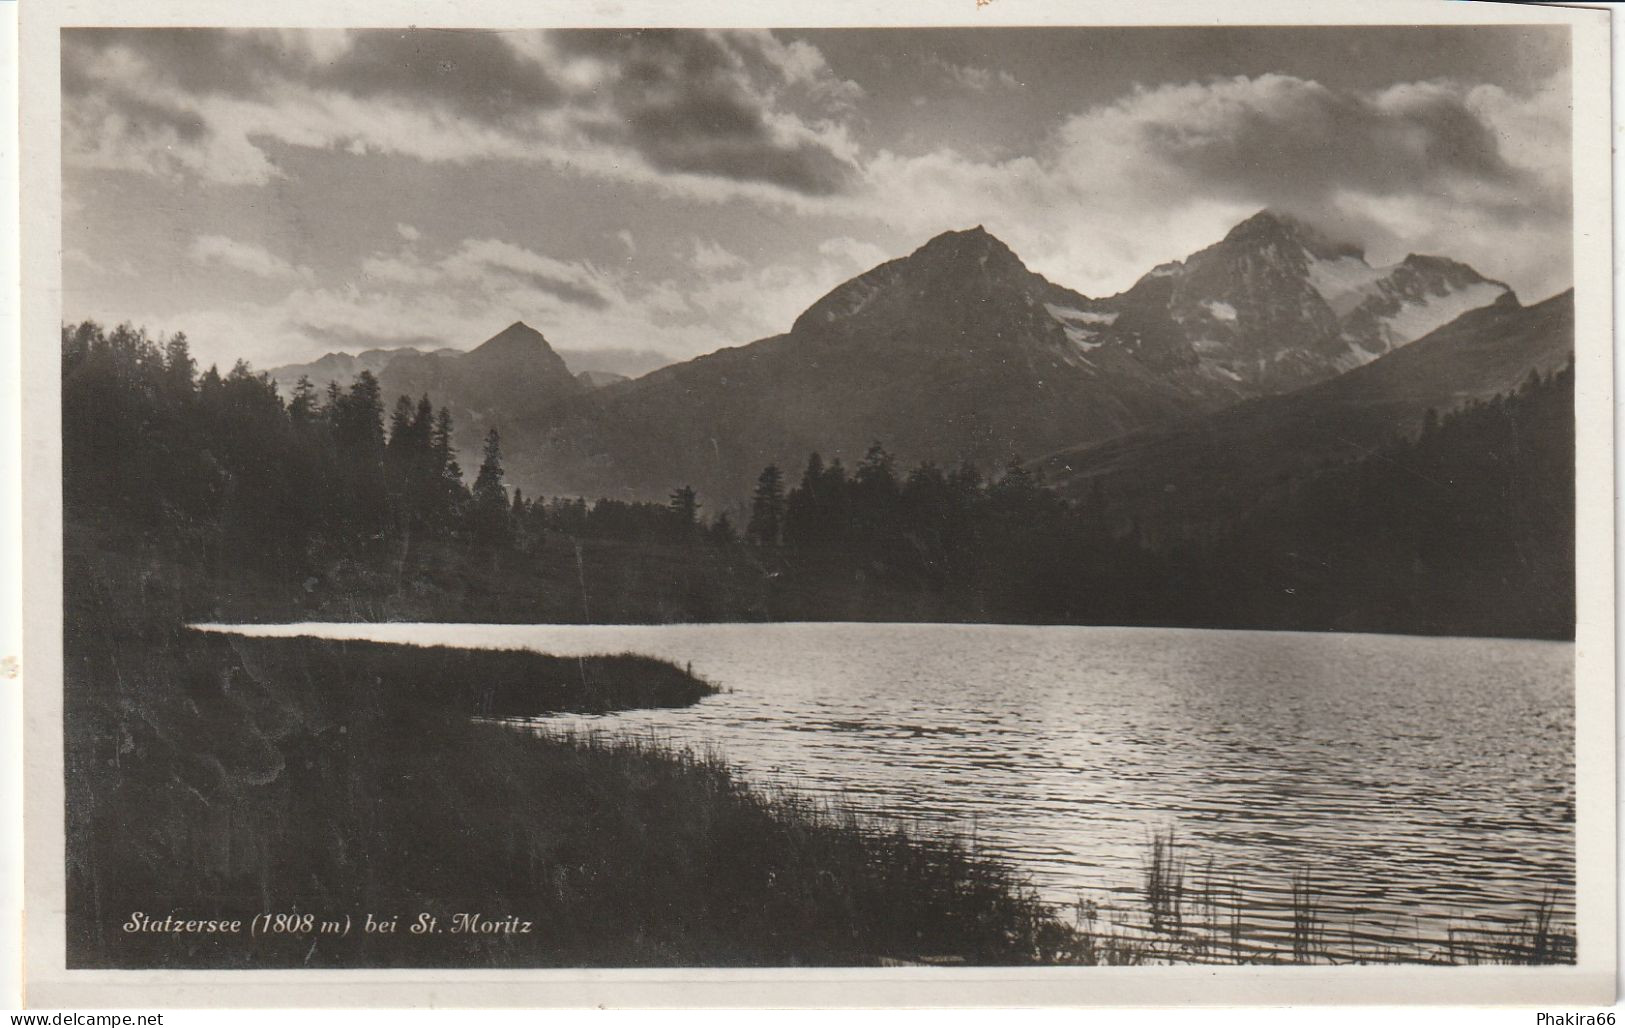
[11,593]
[50,985]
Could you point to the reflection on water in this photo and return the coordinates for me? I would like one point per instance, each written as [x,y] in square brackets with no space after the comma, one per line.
[1423,784]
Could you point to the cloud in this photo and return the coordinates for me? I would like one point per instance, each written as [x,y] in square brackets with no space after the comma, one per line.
[697,112]
[464,294]
[1476,172]
[687,102]
[801,66]
[972,77]
[855,252]
[221,251]
[495,265]
[473,73]
[73,257]
[1290,137]
[574,282]
[711,256]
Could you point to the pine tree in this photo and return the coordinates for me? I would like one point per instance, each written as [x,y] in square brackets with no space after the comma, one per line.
[805,512]
[721,532]
[400,426]
[767,507]
[180,370]
[685,511]
[450,495]
[491,512]
[302,408]
[875,506]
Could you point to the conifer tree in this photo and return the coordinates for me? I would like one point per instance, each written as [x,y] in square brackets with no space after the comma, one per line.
[302,409]
[491,511]
[722,532]
[767,507]
[685,511]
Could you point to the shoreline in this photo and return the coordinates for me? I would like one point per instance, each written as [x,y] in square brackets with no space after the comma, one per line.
[271,629]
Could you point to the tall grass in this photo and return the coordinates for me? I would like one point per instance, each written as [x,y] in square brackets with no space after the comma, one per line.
[1204,917]
[1308,934]
[1164,884]
[218,777]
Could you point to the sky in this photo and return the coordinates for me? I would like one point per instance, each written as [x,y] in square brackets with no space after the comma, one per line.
[655,195]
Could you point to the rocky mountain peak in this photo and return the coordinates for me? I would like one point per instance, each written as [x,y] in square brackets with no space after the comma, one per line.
[973,246]
[517,338]
[966,267]
[1271,226]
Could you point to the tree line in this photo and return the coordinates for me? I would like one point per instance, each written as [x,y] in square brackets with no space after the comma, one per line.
[1467,528]
[226,463]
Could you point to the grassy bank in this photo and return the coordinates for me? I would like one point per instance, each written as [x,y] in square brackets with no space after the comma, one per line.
[218,778]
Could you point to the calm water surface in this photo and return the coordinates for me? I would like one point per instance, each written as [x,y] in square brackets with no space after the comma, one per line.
[1424,784]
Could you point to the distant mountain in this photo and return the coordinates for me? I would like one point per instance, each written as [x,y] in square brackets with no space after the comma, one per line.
[1205,472]
[599,379]
[513,373]
[613,360]
[342,367]
[955,352]
[959,352]
[1276,305]
[596,368]
[513,376]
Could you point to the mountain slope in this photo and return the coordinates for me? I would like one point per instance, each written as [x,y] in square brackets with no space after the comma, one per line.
[956,352]
[1207,471]
[343,367]
[1276,305]
[513,377]
[512,373]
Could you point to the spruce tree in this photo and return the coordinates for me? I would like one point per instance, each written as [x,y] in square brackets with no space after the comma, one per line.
[493,521]
[685,511]
[767,507]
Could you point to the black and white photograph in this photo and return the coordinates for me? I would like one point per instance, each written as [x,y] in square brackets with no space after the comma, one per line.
[914,498]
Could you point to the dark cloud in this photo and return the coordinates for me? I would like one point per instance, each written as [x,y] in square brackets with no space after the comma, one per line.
[1287,137]
[353,340]
[197,61]
[154,119]
[569,292]
[682,99]
[686,104]
[475,73]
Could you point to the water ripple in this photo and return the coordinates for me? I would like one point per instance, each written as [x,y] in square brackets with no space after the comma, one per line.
[1424,783]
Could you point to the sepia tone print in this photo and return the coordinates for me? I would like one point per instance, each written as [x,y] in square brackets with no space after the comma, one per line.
[843,497]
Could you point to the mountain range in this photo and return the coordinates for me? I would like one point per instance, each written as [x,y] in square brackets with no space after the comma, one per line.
[1209,471]
[959,352]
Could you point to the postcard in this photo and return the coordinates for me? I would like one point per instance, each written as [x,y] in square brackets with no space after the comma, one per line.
[958,504]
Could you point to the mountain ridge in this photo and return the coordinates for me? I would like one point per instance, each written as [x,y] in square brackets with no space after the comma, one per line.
[1209,469]
[957,351]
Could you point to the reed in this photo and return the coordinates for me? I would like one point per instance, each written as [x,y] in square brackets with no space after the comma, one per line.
[1164,883]
[1208,918]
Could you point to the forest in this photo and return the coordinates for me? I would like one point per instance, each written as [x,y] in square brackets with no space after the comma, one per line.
[1466,529]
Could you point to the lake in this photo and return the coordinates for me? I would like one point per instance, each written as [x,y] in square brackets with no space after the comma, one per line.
[1423,785]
